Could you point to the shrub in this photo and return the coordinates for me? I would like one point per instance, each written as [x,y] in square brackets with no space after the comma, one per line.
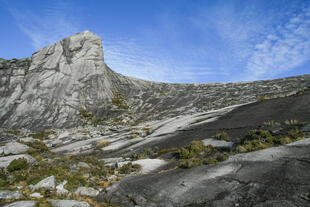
[210,160]
[119,100]
[194,149]
[37,147]
[102,144]
[263,98]
[285,140]
[17,164]
[222,136]
[271,123]
[129,168]
[295,134]
[291,122]
[14,132]
[257,134]
[42,135]
[189,163]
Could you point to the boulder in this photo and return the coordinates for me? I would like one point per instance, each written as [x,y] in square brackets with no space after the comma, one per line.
[5,161]
[10,195]
[89,192]
[83,165]
[36,195]
[14,148]
[221,144]
[48,183]
[69,203]
[60,190]
[22,204]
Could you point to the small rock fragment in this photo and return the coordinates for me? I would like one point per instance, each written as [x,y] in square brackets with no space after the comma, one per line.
[10,195]
[22,204]
[89,192]
[69,203]
[36,195]
[48,184]
[61,190]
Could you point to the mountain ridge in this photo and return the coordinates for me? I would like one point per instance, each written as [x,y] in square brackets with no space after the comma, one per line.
[50,88]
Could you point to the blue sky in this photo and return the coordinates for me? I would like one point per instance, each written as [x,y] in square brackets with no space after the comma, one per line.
[171,40]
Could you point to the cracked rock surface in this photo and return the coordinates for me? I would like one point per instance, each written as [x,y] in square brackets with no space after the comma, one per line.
[94,137]
[48,89]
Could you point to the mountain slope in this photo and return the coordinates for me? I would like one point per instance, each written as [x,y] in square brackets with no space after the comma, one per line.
[50,88]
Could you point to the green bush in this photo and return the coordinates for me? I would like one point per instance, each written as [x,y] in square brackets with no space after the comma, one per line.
[17,164]
[258,134]
[189,163]
[222,136]
[129,168]
[42,135]
[194,149]
[263,98]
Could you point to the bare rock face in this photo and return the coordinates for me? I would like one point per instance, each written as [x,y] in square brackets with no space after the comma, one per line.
[49,89]
[61,79]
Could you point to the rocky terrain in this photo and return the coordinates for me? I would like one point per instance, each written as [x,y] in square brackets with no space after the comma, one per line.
[76,133]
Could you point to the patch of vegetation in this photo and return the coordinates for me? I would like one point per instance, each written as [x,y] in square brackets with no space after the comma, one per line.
[129,168]
[118,100]
[17,164]
[42,135]
[222,136]
[263,98]
[3,178]
[36,148]
[14,132]
[194,149]
[189,163]
[197,154]
[102,144]
[271,123]
[43,203]
[291,122]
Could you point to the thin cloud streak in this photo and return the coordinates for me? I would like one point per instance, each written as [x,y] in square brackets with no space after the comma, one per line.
[48,29]
[283,50]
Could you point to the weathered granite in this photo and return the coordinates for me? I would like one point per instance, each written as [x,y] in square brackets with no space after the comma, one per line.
[47,183]
[10,195]
[87,191]
[13,148]
[22,204]
[5,161]
[69,203]
[49,89]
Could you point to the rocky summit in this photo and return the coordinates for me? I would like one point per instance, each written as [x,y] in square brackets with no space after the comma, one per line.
[76,133]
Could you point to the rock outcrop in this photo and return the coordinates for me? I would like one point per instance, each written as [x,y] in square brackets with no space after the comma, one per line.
[50,88]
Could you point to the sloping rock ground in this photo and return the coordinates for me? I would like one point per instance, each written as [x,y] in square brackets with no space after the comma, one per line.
[271,177]
[50,89]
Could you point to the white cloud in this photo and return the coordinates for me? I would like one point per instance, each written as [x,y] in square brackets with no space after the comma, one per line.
[282,51]
[46,29]
[128,57]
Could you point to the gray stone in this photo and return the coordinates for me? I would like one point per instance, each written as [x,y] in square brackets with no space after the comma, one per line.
[22,204]
[10,195]
[69,203]
[5,161]
[47,183]
[48,89]
[83,165]
[36,195]
[28,139]
[218,143]
[85,191]
[60,190]
[14,148]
